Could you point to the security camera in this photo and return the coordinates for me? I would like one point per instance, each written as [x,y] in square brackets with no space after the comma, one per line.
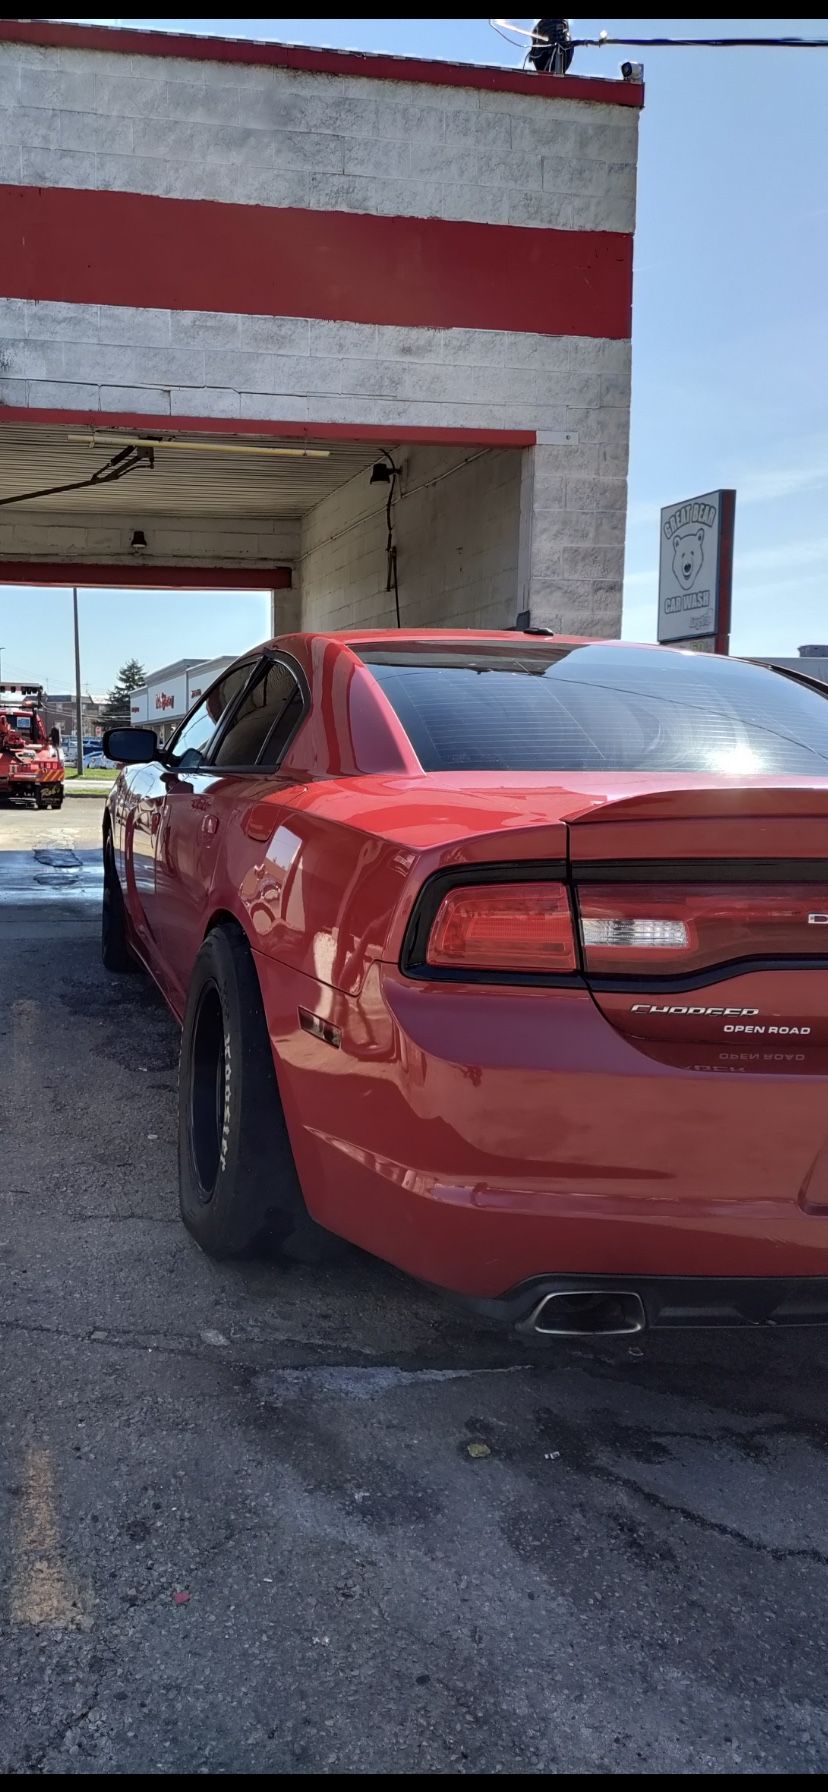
[632,71]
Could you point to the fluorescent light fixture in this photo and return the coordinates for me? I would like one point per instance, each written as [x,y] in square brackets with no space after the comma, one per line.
[97,439]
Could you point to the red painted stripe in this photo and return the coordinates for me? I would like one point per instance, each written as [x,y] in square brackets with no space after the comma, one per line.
[90,247]
[55,35]
[251,426]
[146,576]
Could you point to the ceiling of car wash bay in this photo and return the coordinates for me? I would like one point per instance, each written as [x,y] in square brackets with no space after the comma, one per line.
[192,475]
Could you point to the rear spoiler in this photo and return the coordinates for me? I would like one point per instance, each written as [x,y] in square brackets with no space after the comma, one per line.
[708,798]
[814,684]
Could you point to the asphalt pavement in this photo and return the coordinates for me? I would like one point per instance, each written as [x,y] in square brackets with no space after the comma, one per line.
[273,1519]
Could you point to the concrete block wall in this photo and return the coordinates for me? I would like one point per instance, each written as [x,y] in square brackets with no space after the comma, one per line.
[213,364]
[49,536]
[89,123]
[456,529]
[271,136]
[575,497]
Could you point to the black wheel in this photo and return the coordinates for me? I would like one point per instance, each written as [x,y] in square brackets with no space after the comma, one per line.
[115,950]
[236,1176]
[57,801]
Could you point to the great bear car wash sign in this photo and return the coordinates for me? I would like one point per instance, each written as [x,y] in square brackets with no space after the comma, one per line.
[695,572]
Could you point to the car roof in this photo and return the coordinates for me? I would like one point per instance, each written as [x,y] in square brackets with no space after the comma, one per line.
[356,638]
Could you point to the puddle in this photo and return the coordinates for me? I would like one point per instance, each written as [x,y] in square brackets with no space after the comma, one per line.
[49,875]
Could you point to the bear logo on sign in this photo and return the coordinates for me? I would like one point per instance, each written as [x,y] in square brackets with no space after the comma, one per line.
[688,555]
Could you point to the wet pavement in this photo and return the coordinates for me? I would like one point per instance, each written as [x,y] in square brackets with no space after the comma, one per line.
[272,1519]
[51,873]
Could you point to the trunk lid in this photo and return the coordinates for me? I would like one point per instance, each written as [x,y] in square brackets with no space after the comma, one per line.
[703,913]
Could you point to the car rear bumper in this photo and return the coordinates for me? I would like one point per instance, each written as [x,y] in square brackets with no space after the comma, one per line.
[488,1140]
[612,1306]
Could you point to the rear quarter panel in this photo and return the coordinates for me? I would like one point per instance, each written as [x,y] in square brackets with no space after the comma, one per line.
[314,894]
[323,875]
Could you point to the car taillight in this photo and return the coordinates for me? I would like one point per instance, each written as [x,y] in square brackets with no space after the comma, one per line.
[504,927]
[632,928]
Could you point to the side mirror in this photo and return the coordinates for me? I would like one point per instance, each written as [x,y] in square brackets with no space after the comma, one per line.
[131,746]
[54,737]
[191,761]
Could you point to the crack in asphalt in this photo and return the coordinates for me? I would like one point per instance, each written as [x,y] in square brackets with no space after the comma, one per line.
[117,1219]
[36,1762]
[114,1340]
[333,1363]
[582,1458]
[776,1552]
[381,1375]
[696,1390]
[99,1219]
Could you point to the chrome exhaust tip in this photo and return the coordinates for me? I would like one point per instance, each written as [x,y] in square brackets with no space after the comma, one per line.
[586,1313]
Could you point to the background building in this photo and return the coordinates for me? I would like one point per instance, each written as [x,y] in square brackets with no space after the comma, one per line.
[60,713]
[812,661]
[172,690]
[219,249]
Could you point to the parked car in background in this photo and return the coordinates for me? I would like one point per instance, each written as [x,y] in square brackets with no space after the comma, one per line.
[92,745]
[502,956]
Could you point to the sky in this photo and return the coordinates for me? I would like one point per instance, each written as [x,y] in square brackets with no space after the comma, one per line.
[730,346]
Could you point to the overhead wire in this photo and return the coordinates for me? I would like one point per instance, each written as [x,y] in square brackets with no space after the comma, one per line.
[496,24]
[703,43]
[116,468]
[395,491]
[392,578]
[503,26]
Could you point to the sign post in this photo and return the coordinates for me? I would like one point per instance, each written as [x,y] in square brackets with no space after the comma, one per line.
[695,574]
[78,692]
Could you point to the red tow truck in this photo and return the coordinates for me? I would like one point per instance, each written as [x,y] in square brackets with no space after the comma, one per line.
[31,767]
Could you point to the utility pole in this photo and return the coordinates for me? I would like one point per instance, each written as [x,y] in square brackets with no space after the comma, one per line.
[78,696]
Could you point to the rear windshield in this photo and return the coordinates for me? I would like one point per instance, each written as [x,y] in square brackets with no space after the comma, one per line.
[23,724]
[544,708]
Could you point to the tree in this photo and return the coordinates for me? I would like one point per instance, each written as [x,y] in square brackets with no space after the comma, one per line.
[117,710]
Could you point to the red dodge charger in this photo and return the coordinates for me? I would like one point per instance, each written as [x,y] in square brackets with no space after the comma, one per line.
[502,955]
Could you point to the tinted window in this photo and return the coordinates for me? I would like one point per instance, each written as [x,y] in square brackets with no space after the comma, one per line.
[197,732]
[283,728]
[258,719]
[600,708]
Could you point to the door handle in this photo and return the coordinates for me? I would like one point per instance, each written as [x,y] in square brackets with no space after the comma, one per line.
[210,825]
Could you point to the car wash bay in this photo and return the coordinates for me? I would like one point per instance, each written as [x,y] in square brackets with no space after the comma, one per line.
[272,1517]
[345,532]
[258,1516]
